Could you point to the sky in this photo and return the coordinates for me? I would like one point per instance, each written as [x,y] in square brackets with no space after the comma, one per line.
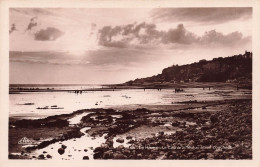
[115,45]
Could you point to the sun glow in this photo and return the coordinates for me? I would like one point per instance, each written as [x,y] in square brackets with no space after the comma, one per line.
[81,44]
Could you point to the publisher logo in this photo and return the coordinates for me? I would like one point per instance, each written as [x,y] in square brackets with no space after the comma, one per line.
[25,140]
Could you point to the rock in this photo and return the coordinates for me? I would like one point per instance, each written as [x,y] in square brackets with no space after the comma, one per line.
[119,156]
[175,123]
[104,145]
[85,158]
[41,156]
[131,141]
[233,138]
[213,118]
[109,143]
[161,133]
[98,149]
[191,143]
[237,132]
[98,155]
[151,156]
[183,125]
[210,156]
[63,146]
[120,140]
[127,152]
[85,150]
[129,137]
[48,156]
[139,156]
[61,151]
[205,142]
[170,157]
[108,154]
[44,152]
[106,137]
[162,153]
[119,148]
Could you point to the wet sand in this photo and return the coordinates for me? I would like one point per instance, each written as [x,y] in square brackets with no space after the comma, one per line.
[189,130]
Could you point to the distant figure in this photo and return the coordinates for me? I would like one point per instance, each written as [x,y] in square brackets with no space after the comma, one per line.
[144,89]
[203,88]
[209,88]
[178,90]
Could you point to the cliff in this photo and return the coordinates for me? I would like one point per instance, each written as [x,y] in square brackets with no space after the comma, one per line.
[237,68]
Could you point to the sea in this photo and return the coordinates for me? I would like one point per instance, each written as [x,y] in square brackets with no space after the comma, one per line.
[34,105]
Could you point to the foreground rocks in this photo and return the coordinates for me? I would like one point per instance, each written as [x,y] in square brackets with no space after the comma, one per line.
[225,134]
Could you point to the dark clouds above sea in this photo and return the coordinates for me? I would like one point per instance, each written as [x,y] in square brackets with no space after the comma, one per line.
[48,34]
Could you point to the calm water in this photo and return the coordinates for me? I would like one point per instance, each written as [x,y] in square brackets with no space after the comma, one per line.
[69,102]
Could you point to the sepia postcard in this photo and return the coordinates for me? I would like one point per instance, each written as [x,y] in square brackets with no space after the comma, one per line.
[129,83]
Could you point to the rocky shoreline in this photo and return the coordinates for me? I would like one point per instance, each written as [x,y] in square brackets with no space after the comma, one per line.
[191,132]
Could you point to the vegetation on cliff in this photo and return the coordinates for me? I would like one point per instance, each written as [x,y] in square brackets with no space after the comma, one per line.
[237,68]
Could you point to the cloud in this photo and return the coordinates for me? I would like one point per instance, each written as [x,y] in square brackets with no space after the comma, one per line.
[202,15]
[33,23]
[179,35]
[131,34]
[146,35]
[99,58]
[13,28]
[214,37]
[51,58]
[32,11]
[64,62]
[48,34]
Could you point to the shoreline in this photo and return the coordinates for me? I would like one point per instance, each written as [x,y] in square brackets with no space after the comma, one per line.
[122,128]
[116,87]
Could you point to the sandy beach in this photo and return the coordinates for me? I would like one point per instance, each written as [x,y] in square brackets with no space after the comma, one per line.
[189,130]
